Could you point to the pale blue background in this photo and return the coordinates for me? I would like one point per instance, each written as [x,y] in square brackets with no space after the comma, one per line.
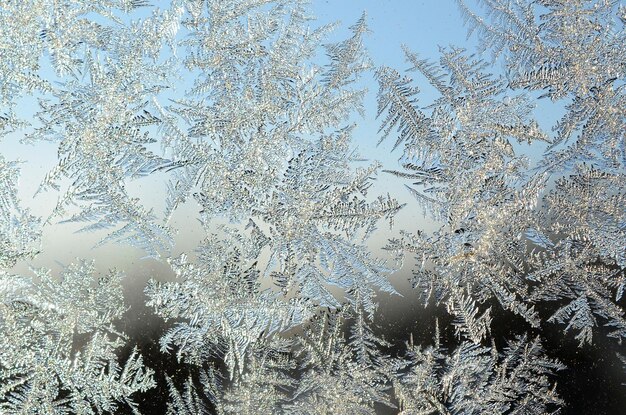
[423,26]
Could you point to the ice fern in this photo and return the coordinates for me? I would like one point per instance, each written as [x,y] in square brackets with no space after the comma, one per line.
[325,363]
[268,143]
[225,311]
[466,175]
[576,53]
[475,379]
[19,230]
[570,50]
[586,263]
[98,109]
[267,147]
[256,100]
[59,345]
[513,232]
[310,375]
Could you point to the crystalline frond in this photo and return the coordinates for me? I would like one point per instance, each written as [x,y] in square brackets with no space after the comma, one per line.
[189,402]
[98,109]
[332,363]
[318,209]
[223,308]
[59,345]
[575,51]
[474,379]
[459,152]
[557,46]
[19,230]
[586,266]
[469,175]
[300,375]
[257,100]
[263,388]
[261,140]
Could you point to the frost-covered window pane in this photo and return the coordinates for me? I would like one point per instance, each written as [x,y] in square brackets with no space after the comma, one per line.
[237,207]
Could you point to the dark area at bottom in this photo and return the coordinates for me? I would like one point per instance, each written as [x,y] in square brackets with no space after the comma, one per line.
[593,383]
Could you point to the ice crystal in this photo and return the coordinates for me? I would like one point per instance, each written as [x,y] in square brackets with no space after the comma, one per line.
[572,50]
[478,380]
[263,388]
[278,160]
[99,110]
[59,344]
[267,143]
[224,309]
[276,310]
[19,230]
[328,364]
[470,175]
[255,99]
[586,265]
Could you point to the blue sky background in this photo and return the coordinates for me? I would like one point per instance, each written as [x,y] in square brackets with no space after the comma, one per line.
[423,26]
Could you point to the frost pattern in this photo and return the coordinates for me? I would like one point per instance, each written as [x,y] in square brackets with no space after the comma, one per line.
[19,230]
[472,379]
[326,362]
[513,232]
[59,344]
[468,177]
[268,145]
[478,380]
[276,310]
[278,164]
[224,309]
[99,112]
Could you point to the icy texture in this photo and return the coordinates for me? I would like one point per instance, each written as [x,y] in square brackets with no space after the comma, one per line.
[276,310]
[278,163]
[19,230]
[224,309]
[268,145]
[58,349]
[108,72]
[510,232]
[347,376]
[468,177]
[478,380]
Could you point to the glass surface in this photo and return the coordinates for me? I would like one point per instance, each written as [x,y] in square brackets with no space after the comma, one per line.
[282,206]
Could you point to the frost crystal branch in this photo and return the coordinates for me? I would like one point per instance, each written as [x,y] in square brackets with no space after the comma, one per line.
[58,348]
[520,235]
[276,310]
